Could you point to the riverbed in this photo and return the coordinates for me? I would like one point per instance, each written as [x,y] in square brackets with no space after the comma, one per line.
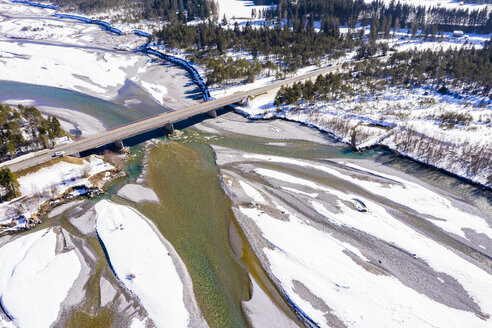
[262,223]
[196,178]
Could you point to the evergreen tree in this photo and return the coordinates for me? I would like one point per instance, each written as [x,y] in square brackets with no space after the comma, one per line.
[9,182]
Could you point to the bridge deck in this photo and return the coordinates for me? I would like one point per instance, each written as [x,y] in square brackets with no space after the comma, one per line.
[154,122]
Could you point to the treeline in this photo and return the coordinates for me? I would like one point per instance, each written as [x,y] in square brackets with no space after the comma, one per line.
[301,12]
[346,11]
[396,14]
[466,69]
[23,129]
[182,10]
[469,70]
[222,71]
[323,89]
[168,10]
[294,48]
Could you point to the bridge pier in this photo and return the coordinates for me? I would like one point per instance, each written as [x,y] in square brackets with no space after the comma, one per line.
[168,128]
[244,102]
[212,113]
[119,144]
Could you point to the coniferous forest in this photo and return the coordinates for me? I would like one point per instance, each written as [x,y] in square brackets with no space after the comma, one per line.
[465,70]
[23,129]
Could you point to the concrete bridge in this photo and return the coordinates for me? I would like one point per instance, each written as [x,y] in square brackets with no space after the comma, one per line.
[164,120]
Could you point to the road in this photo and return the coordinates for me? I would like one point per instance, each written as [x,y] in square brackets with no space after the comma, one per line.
[154,122]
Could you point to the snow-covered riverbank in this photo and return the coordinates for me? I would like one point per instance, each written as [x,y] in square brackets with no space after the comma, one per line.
[335,237]
[57,50]
[407,121]
[148,266]
[36,275]
[48,186]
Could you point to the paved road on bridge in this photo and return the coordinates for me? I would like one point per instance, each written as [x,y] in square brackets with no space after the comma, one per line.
[154,122]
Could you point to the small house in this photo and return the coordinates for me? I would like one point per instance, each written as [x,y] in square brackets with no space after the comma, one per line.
[457,34]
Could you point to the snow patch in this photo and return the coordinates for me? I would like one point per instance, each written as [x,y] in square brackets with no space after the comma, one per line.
[35,279]
[142,263]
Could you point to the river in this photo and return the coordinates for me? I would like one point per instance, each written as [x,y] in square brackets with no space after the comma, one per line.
[195,214]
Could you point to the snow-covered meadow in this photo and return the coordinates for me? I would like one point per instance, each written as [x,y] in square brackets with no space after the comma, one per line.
[345,245]
[237,10]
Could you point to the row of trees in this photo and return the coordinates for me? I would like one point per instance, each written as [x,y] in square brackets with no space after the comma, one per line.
[168,10]
[469,70]
[294,48]
[320,90]
[231,71]
[351,12]
[23,129]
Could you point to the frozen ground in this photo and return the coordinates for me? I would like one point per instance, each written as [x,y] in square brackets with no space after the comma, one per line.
[397,118]
[355,247]
[48,183]
[138,194]
[453,4]
[35,278]
[37,48]
[148,266]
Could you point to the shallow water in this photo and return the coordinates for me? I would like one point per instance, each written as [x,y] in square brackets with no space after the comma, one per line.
[194,214]
[110,113]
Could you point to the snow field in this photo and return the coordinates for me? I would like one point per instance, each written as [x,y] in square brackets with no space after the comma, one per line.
[239,9]
[416,197]
[361,299]
[61,176]
[142,263]
[35,279]
[156,91]
[70,54]
[18,9]
[35,29]
[317,260]
[49,182]
[36,64]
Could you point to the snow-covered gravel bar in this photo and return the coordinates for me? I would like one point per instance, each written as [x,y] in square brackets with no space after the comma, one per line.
[36,274]
[138,193]
[353,246]
[147,265]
